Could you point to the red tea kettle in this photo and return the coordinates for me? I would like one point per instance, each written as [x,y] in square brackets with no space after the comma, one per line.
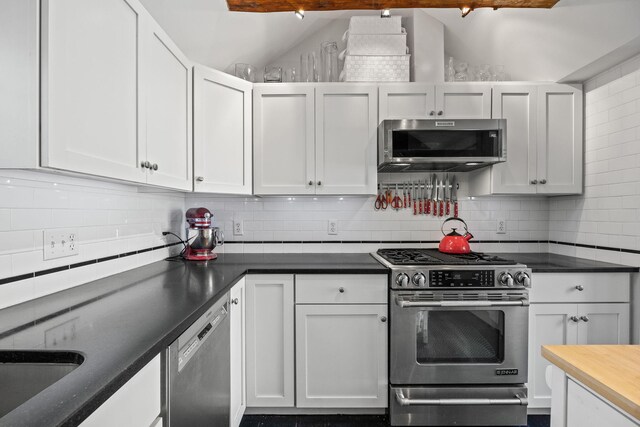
[455,243]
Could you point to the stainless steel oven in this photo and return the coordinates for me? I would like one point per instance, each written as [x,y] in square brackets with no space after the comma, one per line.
[449,337]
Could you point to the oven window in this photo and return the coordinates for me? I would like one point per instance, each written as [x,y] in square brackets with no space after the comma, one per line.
[445,143]
[460,336]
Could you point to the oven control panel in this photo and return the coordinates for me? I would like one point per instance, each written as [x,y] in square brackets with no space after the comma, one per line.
[461,278]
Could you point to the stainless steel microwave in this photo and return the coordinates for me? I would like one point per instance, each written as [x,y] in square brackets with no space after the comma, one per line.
[441,145]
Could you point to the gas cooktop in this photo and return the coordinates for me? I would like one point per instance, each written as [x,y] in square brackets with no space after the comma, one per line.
[401,257]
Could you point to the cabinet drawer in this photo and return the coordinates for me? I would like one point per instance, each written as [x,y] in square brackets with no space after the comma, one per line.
[341,289]
[565,287]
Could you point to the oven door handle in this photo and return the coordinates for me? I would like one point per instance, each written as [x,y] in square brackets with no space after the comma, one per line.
[518,399]
[408,304]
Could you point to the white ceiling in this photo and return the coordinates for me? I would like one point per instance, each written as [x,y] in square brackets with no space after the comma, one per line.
[532,44]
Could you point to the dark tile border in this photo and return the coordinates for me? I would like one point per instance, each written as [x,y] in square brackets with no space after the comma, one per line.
[12,279]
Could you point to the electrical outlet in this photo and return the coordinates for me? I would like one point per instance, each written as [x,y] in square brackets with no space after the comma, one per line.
[501,226]
[332,226]
[238,227]
[60,243]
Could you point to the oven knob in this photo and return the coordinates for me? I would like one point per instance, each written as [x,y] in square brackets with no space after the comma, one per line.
[402,280]
[523,279]
[505,279]
[419,279]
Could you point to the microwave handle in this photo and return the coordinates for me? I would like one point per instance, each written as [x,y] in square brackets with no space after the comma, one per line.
[408,304]
[518,399]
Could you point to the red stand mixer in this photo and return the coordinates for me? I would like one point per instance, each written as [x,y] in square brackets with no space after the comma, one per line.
[206,238]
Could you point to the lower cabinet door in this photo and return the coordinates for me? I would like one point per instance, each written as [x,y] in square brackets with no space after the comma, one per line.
[238,358]
[603,324]
[549,324]
[341,356]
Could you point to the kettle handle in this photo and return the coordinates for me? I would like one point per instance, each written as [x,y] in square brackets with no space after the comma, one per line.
[466,228]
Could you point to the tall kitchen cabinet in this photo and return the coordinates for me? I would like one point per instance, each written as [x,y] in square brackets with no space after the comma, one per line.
[544,141]
[114,92]
[315,139]
[222,132]
[573,308]
[428,101]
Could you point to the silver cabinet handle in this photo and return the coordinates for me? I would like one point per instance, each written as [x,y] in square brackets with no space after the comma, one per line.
[518,399]
[145,164]
[584,318]
[234,301]
[200,178]
[543,181]
[310,182]
[534,181]
[574,319]
[408,304]
[383,319]
[319,182]
[440,112]
[432,113]
[341,290]
[580,288]
[154,167]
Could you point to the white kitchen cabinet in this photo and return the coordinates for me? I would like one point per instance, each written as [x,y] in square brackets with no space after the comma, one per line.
[238,353]
[168,90]
[91,80]
[222,132]
[270,341]
[346,139]
[315,139]
[544,141]
[284,139]
[425,101]
[559,138]
[135,404]
[341,356]
[597,314]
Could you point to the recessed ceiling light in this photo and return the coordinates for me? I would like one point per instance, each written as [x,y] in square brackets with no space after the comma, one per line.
[299,14]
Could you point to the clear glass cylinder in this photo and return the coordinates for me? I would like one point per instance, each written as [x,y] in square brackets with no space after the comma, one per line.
[329,62]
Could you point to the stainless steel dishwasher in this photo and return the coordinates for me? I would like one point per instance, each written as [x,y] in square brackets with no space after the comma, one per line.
[197,366]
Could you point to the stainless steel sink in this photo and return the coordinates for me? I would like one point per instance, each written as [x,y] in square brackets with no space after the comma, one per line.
[23,374]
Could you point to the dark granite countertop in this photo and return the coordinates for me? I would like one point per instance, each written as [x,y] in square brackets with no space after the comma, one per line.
[121,322]
[553,263]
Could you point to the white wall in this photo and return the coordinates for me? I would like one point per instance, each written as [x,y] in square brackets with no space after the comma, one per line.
[111,219]
[608,213]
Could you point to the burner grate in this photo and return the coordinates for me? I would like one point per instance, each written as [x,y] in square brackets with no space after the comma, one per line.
[434,257]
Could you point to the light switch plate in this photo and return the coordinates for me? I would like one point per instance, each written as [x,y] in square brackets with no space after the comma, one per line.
[60,243]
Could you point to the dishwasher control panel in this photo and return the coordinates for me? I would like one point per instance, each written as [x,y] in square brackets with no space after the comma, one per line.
[198,333]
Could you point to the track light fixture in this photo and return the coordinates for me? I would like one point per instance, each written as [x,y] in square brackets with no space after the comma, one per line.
[465,11]
[386,13]
[299,14]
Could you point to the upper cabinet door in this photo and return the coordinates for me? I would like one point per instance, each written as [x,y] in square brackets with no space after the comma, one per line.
[168,87]
[346,139]
[559,140]
[283,135]
[222,132]
[407,101]
[90,83]
[518,105]
[463,101]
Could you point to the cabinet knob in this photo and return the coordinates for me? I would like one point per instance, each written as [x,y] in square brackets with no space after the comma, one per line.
[145,164]
[319,182]
[580,288]
[200,178]
[584,318]
[154,167]
[341,290]
[234,301]
[432,113]
[440,112]
[310,182]
[574,319]
[543,181]
[383,319]
[534,181]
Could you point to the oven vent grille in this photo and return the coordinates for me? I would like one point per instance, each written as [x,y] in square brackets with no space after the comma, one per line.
[465,296]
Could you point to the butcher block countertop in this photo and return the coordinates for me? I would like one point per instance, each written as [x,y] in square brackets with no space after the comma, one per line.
[612,371]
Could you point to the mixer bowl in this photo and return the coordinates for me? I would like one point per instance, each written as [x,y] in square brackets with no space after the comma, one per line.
[205,239]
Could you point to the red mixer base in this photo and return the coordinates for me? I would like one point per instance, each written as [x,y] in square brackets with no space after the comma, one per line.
[191,255]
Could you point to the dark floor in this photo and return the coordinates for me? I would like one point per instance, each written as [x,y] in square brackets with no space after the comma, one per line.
[343,421]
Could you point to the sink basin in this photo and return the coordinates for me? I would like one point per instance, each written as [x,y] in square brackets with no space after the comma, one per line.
[23,374]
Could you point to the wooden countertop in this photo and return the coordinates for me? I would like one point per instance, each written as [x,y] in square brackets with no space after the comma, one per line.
[612,371]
